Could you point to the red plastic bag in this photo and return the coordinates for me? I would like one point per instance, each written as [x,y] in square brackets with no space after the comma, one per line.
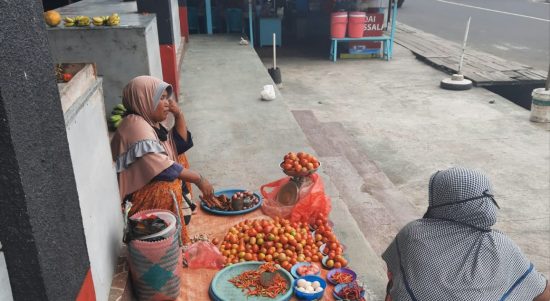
[271,206]
[312,200]
[204,254]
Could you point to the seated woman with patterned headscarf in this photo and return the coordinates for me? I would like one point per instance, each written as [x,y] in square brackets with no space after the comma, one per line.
[454,254]
[150,160]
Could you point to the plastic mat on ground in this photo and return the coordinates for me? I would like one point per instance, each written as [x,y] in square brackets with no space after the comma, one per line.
[195,282]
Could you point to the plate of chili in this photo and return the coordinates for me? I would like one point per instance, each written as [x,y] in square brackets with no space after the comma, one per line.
[240,282]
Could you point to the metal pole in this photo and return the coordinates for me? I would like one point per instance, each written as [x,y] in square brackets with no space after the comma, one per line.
[547,85]
[464,46]
[208,6]
[393,24]
[274,52]
[251,29]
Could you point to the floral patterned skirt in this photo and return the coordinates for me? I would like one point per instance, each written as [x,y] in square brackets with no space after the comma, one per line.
[156,195]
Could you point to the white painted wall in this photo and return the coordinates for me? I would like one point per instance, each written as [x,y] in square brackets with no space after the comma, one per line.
[5,288]
[176,22]
[97,187]
[120,52]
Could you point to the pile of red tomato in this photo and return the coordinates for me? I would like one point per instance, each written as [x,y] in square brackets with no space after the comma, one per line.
[280,241]
[333,249]
[299,162]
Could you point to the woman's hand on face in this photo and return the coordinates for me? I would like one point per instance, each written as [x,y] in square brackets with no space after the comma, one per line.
[173,107]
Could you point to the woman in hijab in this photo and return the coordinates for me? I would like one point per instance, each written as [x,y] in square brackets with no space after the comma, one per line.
[453,254]
[150,159]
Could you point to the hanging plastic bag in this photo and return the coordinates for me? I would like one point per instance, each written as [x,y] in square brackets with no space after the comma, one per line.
[204,254]
[271,206]
[311,202]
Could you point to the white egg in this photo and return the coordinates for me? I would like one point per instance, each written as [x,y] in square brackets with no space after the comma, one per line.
[316,284]
[301,289]
[308,283]
[302,283]
[319,289]
[310,289]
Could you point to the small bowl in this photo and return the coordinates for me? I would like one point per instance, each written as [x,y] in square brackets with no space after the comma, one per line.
[294,269]
[324,262]
[341,270]
[339,287]
[322,249]
[313,296]
[298,174]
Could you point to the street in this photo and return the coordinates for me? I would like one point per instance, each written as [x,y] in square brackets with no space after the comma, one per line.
[516,30]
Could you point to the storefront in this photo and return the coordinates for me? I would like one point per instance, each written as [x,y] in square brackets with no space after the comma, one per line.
[308,23]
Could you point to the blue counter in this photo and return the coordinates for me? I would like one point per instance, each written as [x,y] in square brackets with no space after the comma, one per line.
[268,26]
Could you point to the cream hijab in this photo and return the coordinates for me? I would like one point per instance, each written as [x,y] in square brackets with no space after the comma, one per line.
[138,152]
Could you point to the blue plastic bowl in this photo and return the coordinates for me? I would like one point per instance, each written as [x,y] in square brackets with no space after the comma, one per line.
[339,287]
[314,296]
[223,290]
[229,193]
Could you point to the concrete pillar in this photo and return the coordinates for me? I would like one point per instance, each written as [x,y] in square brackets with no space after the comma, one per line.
[42,234]
[164,10]
[184,22]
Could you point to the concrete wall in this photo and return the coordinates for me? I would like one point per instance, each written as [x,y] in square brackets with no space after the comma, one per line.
[96,182]
[40,220]
[5,288]
[120,52]
[176,23]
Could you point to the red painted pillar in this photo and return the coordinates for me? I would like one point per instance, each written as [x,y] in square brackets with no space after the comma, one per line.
[87,291]
[184,22]
[170,71]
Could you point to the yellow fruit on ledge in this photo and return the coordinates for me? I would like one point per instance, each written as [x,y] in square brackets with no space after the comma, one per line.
[52,18]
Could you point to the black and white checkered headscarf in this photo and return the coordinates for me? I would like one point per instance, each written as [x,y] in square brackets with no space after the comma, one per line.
[453,255]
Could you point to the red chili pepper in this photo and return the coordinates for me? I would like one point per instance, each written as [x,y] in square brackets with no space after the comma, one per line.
[352,292]
[340,277]
[249,282]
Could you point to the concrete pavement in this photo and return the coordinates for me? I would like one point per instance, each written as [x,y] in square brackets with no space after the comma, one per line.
[240,140]
[380,128]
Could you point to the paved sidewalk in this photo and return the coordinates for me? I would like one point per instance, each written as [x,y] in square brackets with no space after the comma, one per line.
[382,128]
[240,140]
